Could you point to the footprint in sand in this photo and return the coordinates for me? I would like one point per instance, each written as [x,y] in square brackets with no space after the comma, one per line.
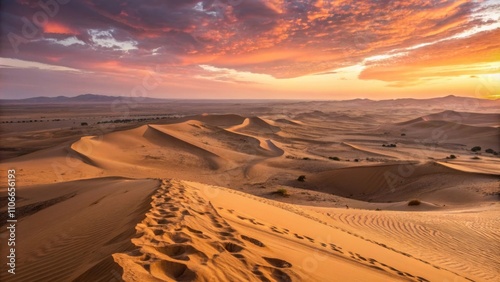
[170,270]
[274,273]
[253,241]
[181,251]
[158,232]
[179,237]
[310,239]
[281,276]
[233,248]
[276,262]
[218,225]
[275,229]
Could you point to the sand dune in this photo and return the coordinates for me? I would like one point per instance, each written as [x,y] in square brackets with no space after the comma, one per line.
[490,167]
[288,121]
[199,232]
[218,139]
[143,146]
[439,131]
[89,221]
[312,115]
[218,120]
[148,150]
[255,125]
[373,152]
[400,182]
[477,119]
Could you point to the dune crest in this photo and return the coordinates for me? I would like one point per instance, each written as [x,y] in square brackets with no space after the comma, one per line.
[183,238]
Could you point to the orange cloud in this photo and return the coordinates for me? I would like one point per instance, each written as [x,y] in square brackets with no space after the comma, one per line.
[474,55]
[58,28]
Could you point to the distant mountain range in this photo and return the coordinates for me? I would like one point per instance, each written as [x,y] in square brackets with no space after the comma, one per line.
[403,102]
[84,98]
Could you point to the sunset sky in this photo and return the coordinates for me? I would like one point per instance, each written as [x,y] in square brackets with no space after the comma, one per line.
[280,49]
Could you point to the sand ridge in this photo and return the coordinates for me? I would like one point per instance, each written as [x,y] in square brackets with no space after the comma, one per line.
[183,238]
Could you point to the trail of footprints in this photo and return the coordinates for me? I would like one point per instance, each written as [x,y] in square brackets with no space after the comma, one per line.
[337,249]
[168,236]
[166,239]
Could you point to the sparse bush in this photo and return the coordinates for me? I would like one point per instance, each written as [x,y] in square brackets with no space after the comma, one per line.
[356,160]
[282,192]
[389,145]
[301,178]
[491,151]
[476,158]
[414,203]
[334,158]
[306,158]
[452,157]
[403,134]
[475,149]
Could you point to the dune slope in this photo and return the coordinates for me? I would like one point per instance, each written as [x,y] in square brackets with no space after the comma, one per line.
[68,231]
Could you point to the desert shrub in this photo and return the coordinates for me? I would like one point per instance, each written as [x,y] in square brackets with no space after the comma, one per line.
[334,158]
[403,134]
[306,158]
[490,151]
[356,160]
[282,192]
[301,178]
[414,202]
[475,149]
[452,157]
[476,158]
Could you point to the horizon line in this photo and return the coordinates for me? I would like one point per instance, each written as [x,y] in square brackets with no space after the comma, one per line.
[247,99]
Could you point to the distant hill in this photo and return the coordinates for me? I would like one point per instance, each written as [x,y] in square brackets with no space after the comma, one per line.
[84,98]
[447,102]
[476,119]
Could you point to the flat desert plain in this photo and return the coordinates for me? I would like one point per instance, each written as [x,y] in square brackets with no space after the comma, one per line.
[353,190]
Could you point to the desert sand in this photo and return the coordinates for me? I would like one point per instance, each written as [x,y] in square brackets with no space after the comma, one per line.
[211,194]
